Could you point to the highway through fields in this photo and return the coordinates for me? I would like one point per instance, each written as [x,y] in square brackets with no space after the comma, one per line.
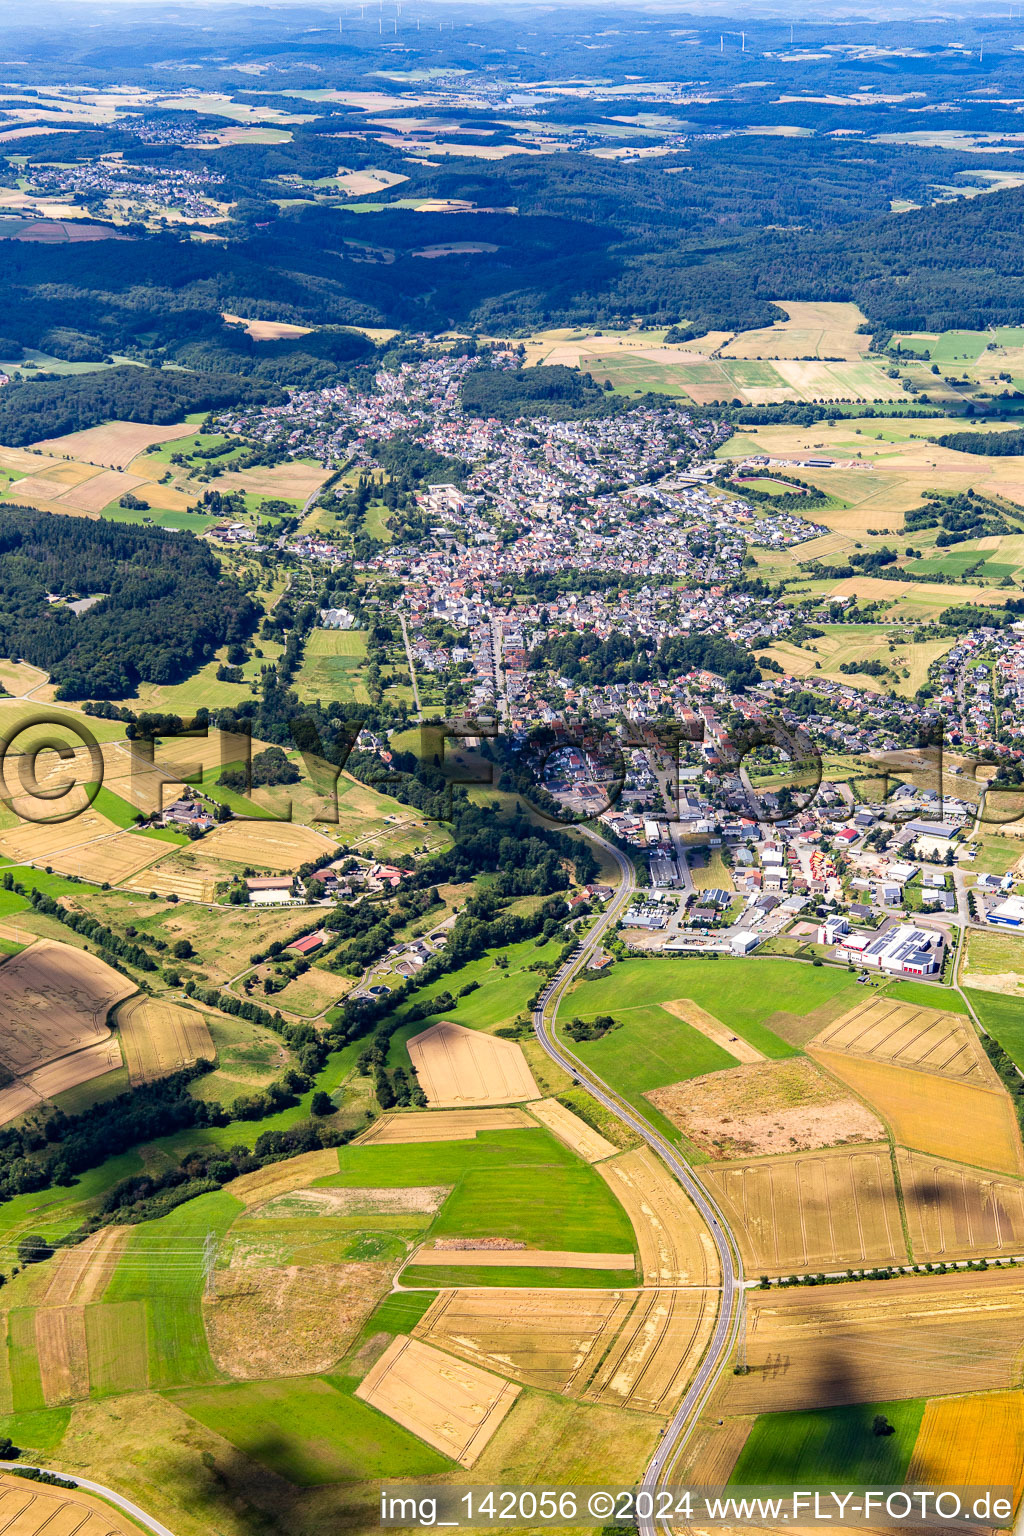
[679,1428]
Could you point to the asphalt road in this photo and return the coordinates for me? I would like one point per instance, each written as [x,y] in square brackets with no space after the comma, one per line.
[129,1508]
[717,1354]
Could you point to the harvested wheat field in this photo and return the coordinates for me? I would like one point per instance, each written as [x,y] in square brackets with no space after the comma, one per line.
[775,1106]
[61,1353]
[714,1452]
[111,859]
[289,1321]
[532,1258]
[44,842]
[965,1122]
[172,882]
[453,1406]
[818,1211]
[158,1038]
[114,444]
[675,1246]
[915,1337]
[958,1213]
[80,1275]
[692,1013]
[280,1178]
[631,1349]
[577,1135]
[970,1442]
[26,1509]
[442,1125]
[17,1099]
[273,845]
[925,1038]
[55,999]
[76,1067]
[458,1066]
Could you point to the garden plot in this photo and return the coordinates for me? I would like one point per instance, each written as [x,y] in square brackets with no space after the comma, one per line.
[457,1066]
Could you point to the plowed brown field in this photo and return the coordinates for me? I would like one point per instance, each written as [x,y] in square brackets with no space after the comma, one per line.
[818,1211]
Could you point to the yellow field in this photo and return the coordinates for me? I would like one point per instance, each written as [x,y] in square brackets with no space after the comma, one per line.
[915,1337]
[458,1067]
[821,1211]
[633,1349]
[970,1442]
[55,1000]
[159,1037]
[827,653]
[453,1406]
[810,330]
[939,1115]
[576,1133]
[443,1125]
[43,843]
[114,859]
[955,1213]
[29,1510]
[675,1245]
[270,845]
[281,1178]
[517,1258]
[114,444]
[908,1036]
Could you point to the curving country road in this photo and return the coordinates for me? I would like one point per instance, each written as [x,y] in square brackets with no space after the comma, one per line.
[133,1510]
[678,1429]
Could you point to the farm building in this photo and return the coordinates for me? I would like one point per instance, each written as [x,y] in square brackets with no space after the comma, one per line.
[309,942]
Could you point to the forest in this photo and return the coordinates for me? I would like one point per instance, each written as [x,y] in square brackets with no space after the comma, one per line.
[41,408]
[166,609]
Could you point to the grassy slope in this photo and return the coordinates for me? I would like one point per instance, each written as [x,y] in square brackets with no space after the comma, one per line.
[1003,1018]
[163,1266]
[518,1184]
